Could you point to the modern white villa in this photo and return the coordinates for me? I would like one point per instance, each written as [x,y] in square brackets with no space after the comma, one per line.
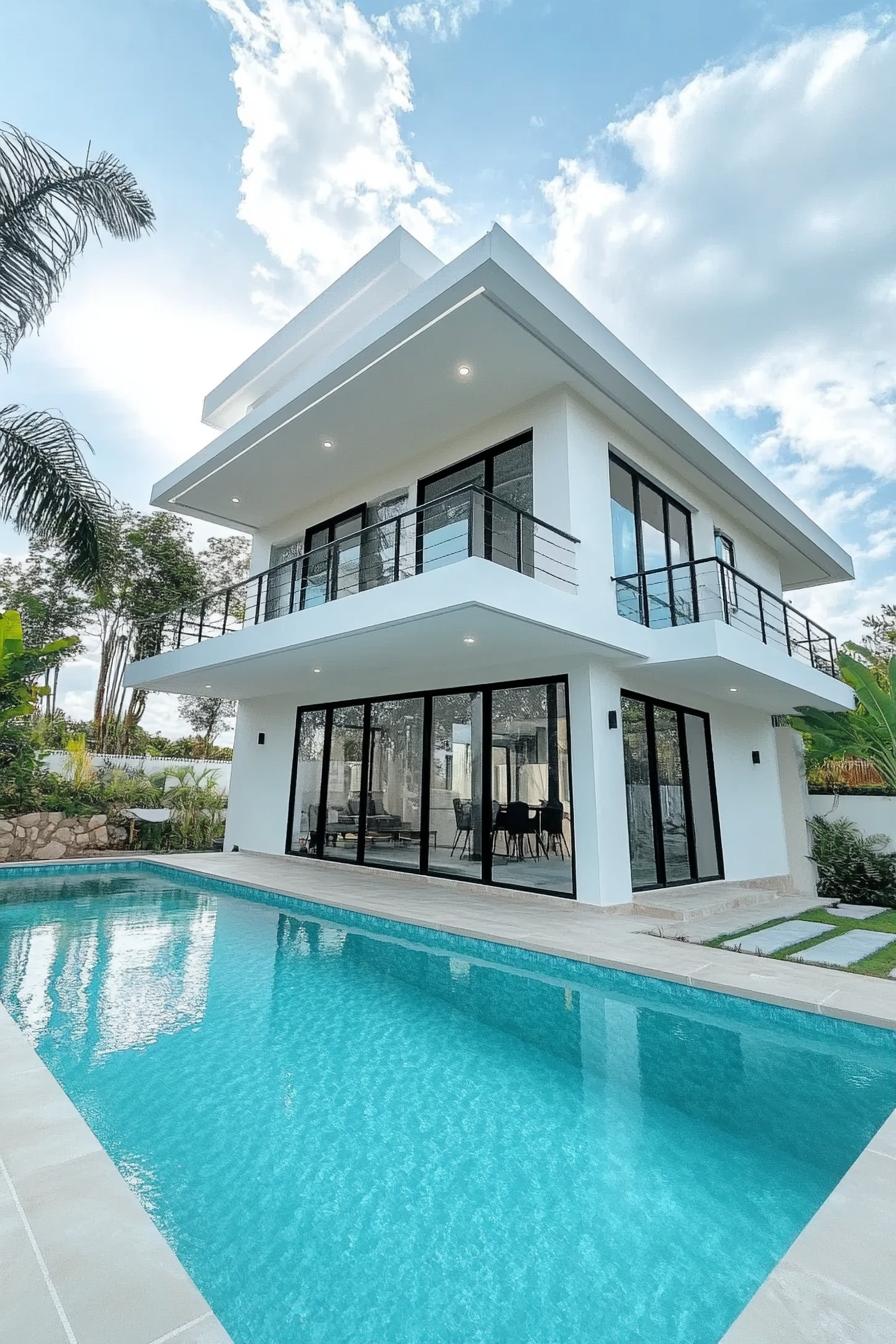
[515,612]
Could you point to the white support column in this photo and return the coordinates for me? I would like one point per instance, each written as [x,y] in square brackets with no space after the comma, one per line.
[603,871]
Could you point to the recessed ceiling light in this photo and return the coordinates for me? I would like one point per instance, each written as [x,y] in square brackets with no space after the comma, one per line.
[208,685]
[234,499]
[315,669]
[328,443]
[464,371]
[469,639]
[733,690]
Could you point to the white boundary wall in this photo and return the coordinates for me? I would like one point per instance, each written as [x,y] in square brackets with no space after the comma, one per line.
[56,761]
[873,814]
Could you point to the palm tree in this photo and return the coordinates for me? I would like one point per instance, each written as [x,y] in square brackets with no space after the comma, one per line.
[49,209]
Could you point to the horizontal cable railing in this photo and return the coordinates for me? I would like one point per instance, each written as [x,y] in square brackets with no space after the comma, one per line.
[711,590]
[466,522]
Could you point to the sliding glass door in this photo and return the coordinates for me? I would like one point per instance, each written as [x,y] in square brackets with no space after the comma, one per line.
[472,784]
[673,825]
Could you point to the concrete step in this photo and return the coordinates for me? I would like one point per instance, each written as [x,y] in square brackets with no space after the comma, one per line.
[713,898]
[728,922]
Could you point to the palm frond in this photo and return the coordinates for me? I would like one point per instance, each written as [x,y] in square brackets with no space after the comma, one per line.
[46,488]
[49,208]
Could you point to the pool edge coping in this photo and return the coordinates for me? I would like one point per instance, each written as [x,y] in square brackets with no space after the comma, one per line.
[48,1139]
[828,1285]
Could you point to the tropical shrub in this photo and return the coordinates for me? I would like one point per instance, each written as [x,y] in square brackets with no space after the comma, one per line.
[20,668]
[197,807]
[852,867]
[78,761]
[866,733]
[19,769]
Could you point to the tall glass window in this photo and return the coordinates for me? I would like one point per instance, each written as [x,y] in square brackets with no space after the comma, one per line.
[638,794]
[392,832]
[341,828]
[670,783]
[455,789]
[485,523]
[310,741]
[673,826]
[651,532]
[531,821]
[471,783]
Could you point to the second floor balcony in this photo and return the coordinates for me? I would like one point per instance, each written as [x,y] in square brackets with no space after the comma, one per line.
[465,523]
[712,590]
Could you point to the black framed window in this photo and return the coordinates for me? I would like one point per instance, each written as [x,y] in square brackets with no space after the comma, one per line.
[473,783]
[486,524]
[651,533]
[332,557]
[670,790]
[726,552]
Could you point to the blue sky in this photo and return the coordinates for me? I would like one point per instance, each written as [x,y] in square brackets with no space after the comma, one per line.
[715,180]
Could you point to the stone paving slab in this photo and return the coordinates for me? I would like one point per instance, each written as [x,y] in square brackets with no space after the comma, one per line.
[860,911]
[780,936]
[709,927]
[847,948]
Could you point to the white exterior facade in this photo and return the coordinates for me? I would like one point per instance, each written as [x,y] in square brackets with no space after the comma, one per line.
[401,370]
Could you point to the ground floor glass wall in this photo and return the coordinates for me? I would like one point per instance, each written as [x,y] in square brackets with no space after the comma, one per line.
[473,784]
[673,825]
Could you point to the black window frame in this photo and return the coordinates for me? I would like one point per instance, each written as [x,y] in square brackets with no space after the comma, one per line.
[723,542]
[639,479]
[484,689]
[650,703]
[330,524]
[487,457]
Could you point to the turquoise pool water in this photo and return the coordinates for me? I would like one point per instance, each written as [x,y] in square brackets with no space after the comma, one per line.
[355,1132]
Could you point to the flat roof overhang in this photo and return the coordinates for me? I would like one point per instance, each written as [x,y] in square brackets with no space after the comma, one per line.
[379,397]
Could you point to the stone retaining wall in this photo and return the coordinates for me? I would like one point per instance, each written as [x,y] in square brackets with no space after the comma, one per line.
[52,835]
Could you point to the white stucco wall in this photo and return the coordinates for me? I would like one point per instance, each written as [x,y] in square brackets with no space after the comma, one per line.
[875,815]
[258,806]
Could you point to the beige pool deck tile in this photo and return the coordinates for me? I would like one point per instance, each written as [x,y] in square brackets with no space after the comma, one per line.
[28,1313]
[861,1208]
[207,1331]
[793,1307]
[884,1140]
[862,998]
[83,1214]
[40,1127]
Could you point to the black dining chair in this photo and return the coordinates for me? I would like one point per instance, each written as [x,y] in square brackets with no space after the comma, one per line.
[463,822]
[522,824]
[553,839]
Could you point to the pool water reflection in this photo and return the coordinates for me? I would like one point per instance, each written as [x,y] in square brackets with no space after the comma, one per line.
[352,1134]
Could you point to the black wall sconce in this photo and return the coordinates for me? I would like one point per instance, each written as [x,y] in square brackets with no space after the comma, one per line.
[261,739]
[755,757]
[612,721]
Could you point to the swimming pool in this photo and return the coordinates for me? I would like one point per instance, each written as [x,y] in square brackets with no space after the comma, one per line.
[352,1130]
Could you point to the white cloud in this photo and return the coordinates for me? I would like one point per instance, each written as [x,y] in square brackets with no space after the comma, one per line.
[440,18]
[750,253]
[327,170]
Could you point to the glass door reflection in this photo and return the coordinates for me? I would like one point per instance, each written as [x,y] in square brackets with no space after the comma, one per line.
[455,787]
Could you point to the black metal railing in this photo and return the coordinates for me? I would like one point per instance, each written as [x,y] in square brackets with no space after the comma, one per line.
[711,590]
[463,523]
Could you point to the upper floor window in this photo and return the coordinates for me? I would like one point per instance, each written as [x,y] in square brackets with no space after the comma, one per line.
[501,478]
[651,532]
[725,549]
